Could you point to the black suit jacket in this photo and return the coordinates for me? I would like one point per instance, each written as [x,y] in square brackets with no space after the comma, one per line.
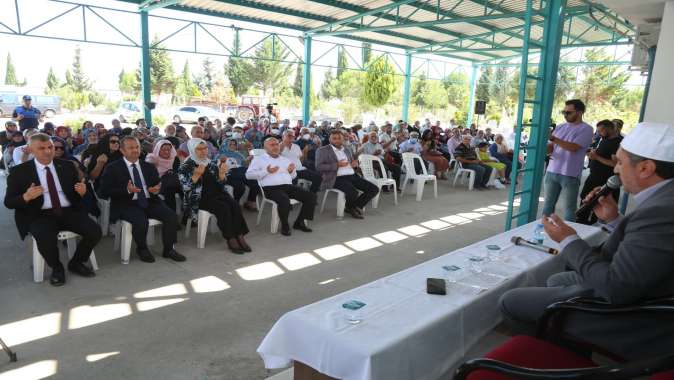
[20,179]
[114,182]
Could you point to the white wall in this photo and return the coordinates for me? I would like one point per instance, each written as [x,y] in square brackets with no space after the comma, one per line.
[660,106]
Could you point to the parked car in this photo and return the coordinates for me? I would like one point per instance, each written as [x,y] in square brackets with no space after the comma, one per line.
[49,105]
[191,114]
[128,111]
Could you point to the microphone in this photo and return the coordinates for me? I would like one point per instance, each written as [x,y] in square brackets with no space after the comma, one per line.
[613,183]
[518,240]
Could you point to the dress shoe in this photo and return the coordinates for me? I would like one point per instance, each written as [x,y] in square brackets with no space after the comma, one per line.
[354,213]
[285,231]
[81,269]
[244,245]
[302,227]
[235,247]
[145,255]
[174,255]
[58,277]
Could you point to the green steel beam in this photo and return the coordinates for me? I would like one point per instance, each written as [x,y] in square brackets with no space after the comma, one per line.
[479,50]
[406,87]
[576,63]
[419,24]
[146,84]
[149,5]
[306,82]
[471,101]
[343,22]
[604,9]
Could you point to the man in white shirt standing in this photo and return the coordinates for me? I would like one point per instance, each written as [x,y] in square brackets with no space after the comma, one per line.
[275,174]
[296,155]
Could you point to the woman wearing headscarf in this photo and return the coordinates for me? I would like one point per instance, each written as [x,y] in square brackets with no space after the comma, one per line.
[89,145]
[107,152]
[17,141]
[164,158]
[203,183]
[238,164]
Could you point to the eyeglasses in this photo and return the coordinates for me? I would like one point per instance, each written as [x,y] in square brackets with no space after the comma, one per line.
[567,113]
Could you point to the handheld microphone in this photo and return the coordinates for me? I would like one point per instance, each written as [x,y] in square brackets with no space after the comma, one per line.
[518,240]
[613,183]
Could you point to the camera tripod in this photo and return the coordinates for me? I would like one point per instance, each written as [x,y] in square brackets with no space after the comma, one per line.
[10,353]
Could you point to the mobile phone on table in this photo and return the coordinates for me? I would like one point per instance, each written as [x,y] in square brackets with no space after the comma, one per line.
[436,286]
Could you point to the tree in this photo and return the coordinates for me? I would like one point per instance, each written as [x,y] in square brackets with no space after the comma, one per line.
[342,62]
[206,80]
[419,87]
[350,85]
[162,77]
[367,52]
[458,90]
[299,78]
[185,86]
[78,79]
[327,90]
[238,70]
[128,83]
[483,84]
[600,82]
[501,91]
[52,82]
[10,72]
[379,82]
[268,72]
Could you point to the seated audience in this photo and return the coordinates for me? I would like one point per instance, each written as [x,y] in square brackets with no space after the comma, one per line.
[336,165]
[61,152]
[107,152]
[238,164]
[164,158]
[374,148]
[466,155]
[21,152]
[203,184]
[492,162]
[411,145]
[197,132]
[296,155]
[275,174]
[51,204]
[133,187]
[430,153]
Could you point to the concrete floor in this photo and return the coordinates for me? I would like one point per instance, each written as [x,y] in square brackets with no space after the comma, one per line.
[204,318]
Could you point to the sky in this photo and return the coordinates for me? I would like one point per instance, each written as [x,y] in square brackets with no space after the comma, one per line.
[33,56]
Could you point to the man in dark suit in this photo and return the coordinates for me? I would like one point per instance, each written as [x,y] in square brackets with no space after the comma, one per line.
[336,165]
[133,187]
[46,195]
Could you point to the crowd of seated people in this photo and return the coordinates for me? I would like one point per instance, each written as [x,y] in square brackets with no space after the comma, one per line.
[144,172]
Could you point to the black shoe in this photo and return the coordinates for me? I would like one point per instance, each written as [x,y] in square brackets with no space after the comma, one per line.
[145,255]
[302,227]
[174,255]
[354,213]
[81,269]
[285,231]
[244,245]
[58,277]
[235,247]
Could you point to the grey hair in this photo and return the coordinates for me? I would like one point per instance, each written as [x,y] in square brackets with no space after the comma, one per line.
[41,137]
[128,138]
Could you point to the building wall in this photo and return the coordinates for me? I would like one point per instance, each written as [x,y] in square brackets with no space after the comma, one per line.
[660,107]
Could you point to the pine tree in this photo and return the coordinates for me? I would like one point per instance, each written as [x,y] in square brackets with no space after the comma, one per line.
[379,82]
[80,83]
[326,87]
[207,77]
[367,52]
[185,86]
[162,76]
[299,78]
[483,85]
[342,63]
[10,73]
[237,70]
[52,82]
[269,72]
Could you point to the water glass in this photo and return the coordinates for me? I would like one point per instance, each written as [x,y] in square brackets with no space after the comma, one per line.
[353,311]
[453,273]
[475,263]
[494,252]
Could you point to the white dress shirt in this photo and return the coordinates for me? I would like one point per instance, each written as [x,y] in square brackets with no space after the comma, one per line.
[341,156]
[142,177]
[294,154]
[258,170]
[42,175]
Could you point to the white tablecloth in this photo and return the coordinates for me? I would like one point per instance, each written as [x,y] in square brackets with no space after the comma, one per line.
[406,333]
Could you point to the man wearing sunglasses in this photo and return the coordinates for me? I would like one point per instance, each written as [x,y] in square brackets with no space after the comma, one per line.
[567,147]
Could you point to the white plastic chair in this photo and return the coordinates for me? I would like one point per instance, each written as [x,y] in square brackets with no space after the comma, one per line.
[464,174]
[205,221]
[419,179]
[104,218]
[123,237]
[275,221]
[341,201]
[366,165]
[38,261]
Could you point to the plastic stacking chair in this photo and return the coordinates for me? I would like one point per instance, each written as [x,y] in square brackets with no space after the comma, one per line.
[419,179]
[366,162]
[38,262]
[275,221]
[341,201]
[123,238]
[205,221]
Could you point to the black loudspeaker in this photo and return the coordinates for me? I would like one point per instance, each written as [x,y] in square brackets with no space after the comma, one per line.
[480,107]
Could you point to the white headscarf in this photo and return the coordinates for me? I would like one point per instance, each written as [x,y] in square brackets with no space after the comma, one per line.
[192,146]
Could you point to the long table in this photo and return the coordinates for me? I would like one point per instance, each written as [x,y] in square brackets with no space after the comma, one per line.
[406,333]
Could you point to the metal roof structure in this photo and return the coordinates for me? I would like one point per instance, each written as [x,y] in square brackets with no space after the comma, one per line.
[472,30]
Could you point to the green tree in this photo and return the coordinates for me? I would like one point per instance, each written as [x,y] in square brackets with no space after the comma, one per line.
[419,88]
[185,86]
[366,52]
[10,72]
[484,83]
[600,82]
[269,73]
[299,78]
[379,82]
[78,80]
[206,80]
[327,87]
[501,91]
[566,83]
[162,76]
[128,83]
[350,85]
[342,62]
[237,71]
[53,82]
[458,90]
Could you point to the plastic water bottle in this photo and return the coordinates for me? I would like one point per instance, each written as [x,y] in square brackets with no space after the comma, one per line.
[538,234]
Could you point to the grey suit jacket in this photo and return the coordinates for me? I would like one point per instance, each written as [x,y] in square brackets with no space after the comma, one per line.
[327,165]
[634,264]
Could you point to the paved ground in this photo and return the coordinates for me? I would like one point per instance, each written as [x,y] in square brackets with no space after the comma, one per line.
[203,319]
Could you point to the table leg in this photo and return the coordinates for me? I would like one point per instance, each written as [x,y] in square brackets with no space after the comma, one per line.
[304,372]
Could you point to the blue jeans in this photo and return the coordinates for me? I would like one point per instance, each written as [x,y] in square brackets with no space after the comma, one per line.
[568,187]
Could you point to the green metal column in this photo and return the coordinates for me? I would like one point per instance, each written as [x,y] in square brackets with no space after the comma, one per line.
[471,101]
[406,87]
[145,67]
[542,109]
[306,81]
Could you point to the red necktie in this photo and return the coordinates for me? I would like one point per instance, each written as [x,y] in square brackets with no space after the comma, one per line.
[53,193]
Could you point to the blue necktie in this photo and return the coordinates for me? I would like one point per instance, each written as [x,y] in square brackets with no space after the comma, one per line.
[142,200]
